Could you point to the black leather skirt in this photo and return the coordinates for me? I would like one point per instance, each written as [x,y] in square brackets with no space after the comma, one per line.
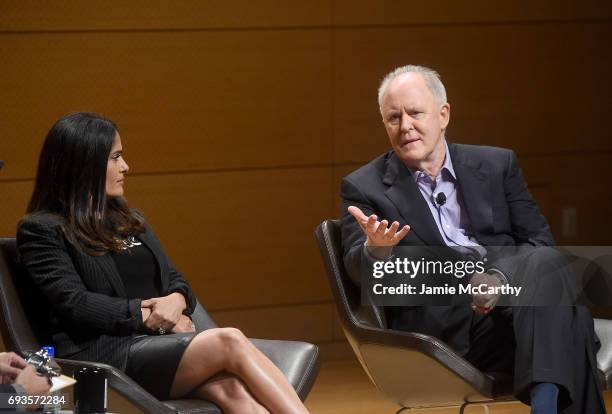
[154,359]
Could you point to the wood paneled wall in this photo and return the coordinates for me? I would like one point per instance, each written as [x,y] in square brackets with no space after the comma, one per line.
[239,119]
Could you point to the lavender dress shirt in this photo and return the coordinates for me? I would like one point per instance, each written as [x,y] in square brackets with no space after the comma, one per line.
[452,220]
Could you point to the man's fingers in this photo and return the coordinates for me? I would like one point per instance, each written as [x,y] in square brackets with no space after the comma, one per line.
[10,371]
[480,310]
[491,302]
[484,303]
[358,214]
[379,230]
[392,230]
[18,361]
[382,227]
[401,234]
[371,224]
[147,303]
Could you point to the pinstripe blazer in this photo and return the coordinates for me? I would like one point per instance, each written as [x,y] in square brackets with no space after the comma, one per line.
[90,315]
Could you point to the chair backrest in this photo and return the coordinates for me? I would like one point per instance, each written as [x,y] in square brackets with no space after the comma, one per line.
[412,369]
[24,319]
[346,294]
[202,320]
[24,322]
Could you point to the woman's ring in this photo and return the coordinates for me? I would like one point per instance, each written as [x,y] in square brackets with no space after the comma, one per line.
[161,331]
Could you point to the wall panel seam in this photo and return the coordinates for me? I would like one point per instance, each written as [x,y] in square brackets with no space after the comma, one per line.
[595,20]
[520,154]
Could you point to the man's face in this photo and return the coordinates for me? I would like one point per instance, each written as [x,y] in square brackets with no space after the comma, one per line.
[415,122]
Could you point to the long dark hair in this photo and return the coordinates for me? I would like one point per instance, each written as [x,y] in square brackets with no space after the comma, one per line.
[71,182]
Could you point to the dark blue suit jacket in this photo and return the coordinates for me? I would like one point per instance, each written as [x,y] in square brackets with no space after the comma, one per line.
[500,208]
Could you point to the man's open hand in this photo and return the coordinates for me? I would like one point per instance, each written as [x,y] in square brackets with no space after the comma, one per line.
[377,232]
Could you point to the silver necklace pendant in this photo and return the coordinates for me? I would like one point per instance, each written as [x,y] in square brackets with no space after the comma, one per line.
[130,242]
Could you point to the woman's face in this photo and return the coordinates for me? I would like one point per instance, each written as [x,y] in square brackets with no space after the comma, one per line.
[116,170]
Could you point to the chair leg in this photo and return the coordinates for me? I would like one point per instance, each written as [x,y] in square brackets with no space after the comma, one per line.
[485,407]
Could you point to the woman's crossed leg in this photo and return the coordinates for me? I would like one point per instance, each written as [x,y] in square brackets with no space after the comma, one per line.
[227,349]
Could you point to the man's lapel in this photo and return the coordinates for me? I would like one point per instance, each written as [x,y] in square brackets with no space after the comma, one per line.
[475,188]
[405,195]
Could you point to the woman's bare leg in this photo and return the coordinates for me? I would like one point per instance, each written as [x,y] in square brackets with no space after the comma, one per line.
[227,349]
[229,393]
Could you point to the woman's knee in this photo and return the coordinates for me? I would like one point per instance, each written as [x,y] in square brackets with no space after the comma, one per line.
[234,346]
[231,338]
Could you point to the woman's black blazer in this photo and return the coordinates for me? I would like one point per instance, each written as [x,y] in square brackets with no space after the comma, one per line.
[90,314]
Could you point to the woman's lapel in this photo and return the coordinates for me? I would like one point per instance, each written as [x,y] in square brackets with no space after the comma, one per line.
[108,267]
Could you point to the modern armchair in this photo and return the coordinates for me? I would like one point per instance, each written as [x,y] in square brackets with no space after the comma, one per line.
[23,327]
[415,370]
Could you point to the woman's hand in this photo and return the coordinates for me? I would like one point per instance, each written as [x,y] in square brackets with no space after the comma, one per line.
[165,312]
[146,312]
[185,324]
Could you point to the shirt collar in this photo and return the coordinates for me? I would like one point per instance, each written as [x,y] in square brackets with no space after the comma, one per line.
[447,165]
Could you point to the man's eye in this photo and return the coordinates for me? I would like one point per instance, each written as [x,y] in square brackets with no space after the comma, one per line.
[394,119]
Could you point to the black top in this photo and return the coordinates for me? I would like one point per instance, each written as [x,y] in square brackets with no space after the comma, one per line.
[139,271]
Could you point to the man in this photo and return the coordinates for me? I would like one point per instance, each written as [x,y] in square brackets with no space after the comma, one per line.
[17,377]
[427,192]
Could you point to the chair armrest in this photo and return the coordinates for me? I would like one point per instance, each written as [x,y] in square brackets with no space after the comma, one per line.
[119,382]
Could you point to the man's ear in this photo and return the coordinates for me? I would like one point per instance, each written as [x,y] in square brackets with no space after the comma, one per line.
[444,115]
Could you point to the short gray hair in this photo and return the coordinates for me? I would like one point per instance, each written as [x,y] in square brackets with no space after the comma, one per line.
[432,79]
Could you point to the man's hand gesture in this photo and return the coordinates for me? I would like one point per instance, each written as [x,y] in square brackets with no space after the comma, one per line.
[377,232]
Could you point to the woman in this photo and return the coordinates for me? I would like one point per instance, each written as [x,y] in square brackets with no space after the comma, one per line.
[114,296]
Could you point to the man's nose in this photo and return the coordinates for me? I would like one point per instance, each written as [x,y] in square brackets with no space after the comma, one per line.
[406,123]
